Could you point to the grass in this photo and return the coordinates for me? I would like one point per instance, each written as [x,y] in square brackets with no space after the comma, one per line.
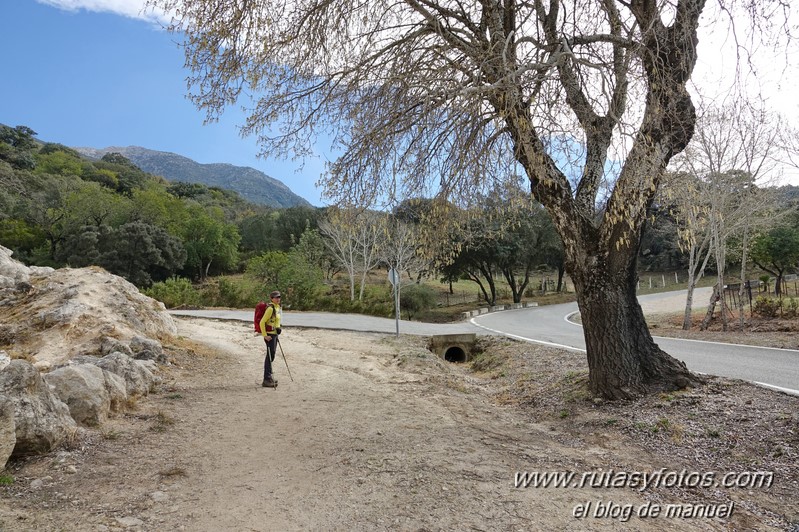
[162,421]
[462,296]
[111,435]
[6,480]
[174,471]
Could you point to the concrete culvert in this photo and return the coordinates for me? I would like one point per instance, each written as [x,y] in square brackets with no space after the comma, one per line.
[455,354]
[453,347]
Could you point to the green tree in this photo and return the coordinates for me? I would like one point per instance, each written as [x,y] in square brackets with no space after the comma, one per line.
[267,267]
[45,206]
[293,222]
[475,258]
[291,273]
[17,146]
[311,247]
[139,252]
[258,232]
[416,298]
[209,241]
[142,253]
[53,147]
[777,252]
[20,237]
[59,163]
[103,176]
[84,246]
[130,177]
[660,246]
[152,204]
[91,203]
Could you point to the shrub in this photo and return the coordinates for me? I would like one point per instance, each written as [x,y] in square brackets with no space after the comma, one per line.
[417,298]
[292,274]
[790,308]
[767,307]
[174,292]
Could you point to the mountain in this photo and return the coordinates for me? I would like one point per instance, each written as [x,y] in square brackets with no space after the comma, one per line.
[251,184]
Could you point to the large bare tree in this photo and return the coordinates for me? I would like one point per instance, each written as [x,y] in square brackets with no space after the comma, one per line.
[447,97]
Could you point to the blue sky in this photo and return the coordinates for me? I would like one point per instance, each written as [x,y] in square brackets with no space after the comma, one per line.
[99,79]
[97,73]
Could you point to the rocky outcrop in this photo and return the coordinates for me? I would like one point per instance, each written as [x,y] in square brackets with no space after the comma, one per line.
[42,421]
[11,271]
[95,337]
[90,392]
[139,378]
[109,345]
[58,314]
[147,349]
[14,274]
[8,436]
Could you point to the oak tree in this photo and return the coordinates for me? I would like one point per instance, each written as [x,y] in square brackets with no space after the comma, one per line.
[445,97]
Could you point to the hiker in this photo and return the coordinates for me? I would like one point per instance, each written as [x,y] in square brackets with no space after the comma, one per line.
[270,329]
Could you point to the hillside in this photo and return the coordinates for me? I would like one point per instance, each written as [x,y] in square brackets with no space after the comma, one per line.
[251,184]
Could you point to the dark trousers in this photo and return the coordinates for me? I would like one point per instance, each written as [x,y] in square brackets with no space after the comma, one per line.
[271,349]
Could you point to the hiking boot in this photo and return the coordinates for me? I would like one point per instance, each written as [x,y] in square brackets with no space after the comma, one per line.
[269,383]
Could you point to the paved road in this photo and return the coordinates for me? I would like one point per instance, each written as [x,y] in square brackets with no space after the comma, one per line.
[776,368]
[349,322]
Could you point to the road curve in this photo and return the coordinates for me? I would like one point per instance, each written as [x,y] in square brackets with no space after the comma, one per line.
[549,325]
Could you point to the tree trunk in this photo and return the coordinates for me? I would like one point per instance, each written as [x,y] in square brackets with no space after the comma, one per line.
[491,298]
[778,283]
[694,276]
[623,359]
[476,279]
[742,289]
[601,253]
[714,297]
[689,298]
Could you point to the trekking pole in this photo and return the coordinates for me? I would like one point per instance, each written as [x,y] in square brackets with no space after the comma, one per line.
[284,358]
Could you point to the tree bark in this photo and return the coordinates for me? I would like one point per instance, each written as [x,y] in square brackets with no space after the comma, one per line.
[689,298]
[714,297]
[623,359]
[694,276]
[742,288]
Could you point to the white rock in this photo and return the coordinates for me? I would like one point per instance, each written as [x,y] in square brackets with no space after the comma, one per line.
[42,420]
[139,380]
[83,388]
[129,522]
[159,496]
[8,435]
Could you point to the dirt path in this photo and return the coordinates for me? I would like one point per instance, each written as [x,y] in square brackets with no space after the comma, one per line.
[374,433]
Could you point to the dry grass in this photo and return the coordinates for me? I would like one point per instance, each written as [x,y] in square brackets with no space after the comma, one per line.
[724,425]
[780,333]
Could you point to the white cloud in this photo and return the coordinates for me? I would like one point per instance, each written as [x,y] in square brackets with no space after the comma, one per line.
[128,8]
